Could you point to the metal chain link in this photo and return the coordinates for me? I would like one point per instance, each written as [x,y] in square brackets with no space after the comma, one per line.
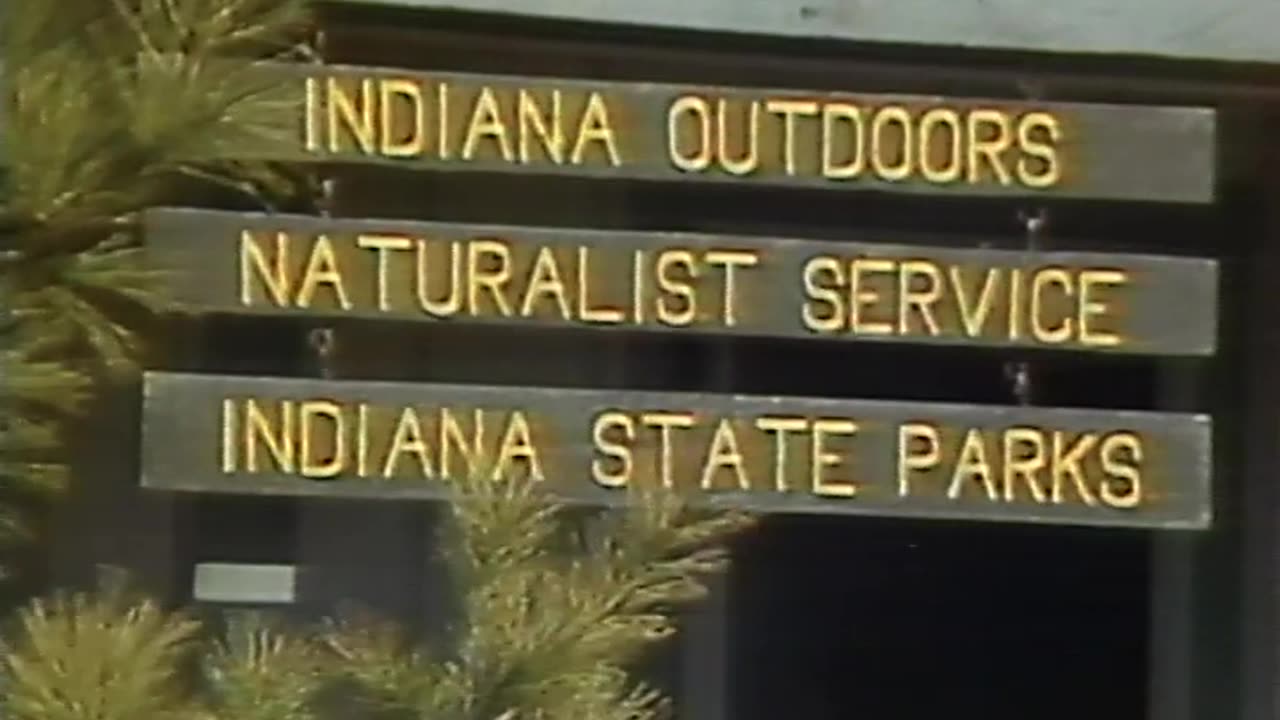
[1018,373]
[322,342]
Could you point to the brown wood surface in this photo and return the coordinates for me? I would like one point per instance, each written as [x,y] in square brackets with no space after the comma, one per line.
[837,457]
[1117,152]
[738,285]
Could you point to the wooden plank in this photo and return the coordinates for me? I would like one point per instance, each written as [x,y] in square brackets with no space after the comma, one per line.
[1225,30]
[770,454]
[676,282]
[778,138]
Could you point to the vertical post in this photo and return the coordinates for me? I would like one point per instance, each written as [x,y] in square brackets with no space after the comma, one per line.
[1259,502]
[705,631]
[1172,591]
[353,552]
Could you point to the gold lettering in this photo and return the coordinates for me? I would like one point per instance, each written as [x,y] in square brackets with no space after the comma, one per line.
[971,317]
[750,159]
[790,110]
[275,278]
[950,171]
[1015,303]
[1039,281]
[922,300]
[228,436]
[544,280]
[585,311]
[638,264]
[685,311]
[383,244]
[852,167]
[821,458]
[1091,308]
[486,122]
[990,149]
[309,414]
[1122,463]
[388,90]
[453,436]
[517,443]
[879,163]
[548,129]
[492,279]
[972,464]
[595,127]
[664,422]
[452,303]
[362,440]
[700,112]
[1066,462]
[310,133]
[723,454]
[322,269]
[818,293]
[408,439]
[357,115]
[729,260]
[861,297]
[919,449]
[619,452]
[257,425]
[1045,150]
[1023,465]
[442,121]
[779,427]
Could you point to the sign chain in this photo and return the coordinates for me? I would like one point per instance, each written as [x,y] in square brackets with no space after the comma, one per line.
[1018,372]
[322,342]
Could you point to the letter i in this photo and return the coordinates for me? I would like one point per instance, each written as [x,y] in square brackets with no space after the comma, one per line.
[1015,304]
[362,440]
[442,121]
[637,290]
[228,436]
[310,134]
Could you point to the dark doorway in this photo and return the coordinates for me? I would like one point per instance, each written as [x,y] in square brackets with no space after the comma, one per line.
[834,618]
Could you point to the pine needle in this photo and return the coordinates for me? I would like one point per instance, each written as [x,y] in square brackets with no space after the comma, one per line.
[112,103]
[262,673]
[81,658]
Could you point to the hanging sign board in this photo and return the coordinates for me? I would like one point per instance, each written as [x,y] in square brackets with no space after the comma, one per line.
[755,136]
[270,436]
[670,282]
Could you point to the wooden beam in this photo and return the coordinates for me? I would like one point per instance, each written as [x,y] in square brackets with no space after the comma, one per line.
[801,138]
[381,440]
[248,263]
[1224,30]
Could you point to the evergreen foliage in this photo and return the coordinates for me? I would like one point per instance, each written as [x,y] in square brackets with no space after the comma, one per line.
[111,106]
[557,605]
[79,657]
[117,105]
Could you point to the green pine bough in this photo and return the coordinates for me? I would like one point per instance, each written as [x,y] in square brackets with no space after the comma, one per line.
[107,103]
[556,605]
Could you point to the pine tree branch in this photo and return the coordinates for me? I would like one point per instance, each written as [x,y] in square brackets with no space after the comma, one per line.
[259,672]
[111,103]
[105,658]
[544,632]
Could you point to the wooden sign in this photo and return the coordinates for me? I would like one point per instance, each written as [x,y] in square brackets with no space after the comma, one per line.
[441,272]
[799,138]
[770,454]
